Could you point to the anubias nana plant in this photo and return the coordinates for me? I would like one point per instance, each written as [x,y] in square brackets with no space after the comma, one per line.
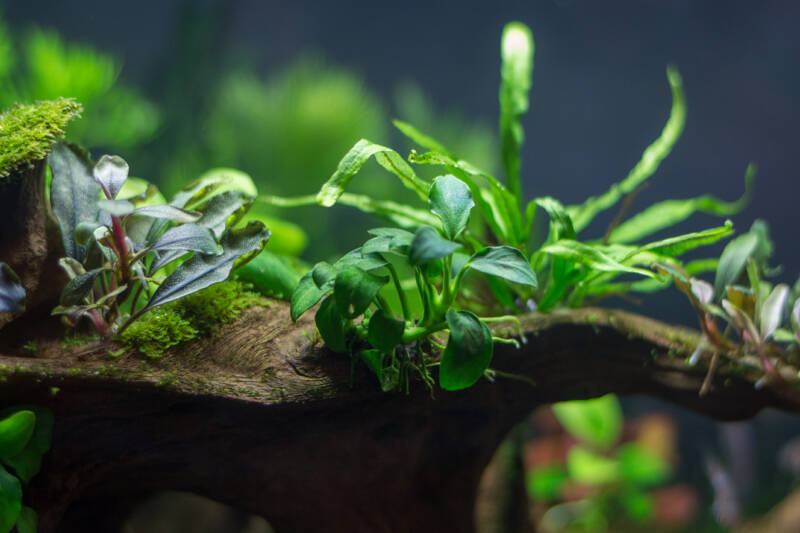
[123,245]
[522,274]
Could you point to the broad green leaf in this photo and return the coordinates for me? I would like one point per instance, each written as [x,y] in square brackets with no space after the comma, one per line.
[426,141]
[356,257]
[110,173]
[188,237]
[544,483]
[468,352]
[352,162]
[27,522]
[201,271]
[590,468]
[271,275]
[394,240]
[374,360]
[517,50]
[79,287]
[323,275]
[638,505]
[116,207]
[587,255]
[305,296]
[15,432]
[560,221]
[330,324]
[504,262]
[640,466]
[429,246]
[27,463]
[670,212]
[73,194]
[647,165]
[12,294]
[223,211]
[140,192]
[771,313]
[451,200]
[597,421]
[384,332]
[10,500]
[733,260]
[355,289]
[167,212]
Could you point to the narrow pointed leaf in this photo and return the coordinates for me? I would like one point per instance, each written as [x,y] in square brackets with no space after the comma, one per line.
[79,287]
[425,141]
[110,173]
[504,262]
[355,289]
[73,194]
[468,352]
[587,255]
[188,237]
[429,246]
[733,260]
[352,162]
[384,332]
[451,200]
[330,324]
[201,271]
[12,294]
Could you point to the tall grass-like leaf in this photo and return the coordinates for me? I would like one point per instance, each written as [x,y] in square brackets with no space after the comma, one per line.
[680,244]
[468,352]
[426,141]
[201,271]
[451,200]
[592,257]
[647,165]
[504,262]
[73,194]
[670,212]
[12,294]
[517,49]
[352,162]
[733,260]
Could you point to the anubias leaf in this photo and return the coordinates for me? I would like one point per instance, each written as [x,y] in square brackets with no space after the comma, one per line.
[201,271]
[468,352]
[270,274]
[384,332]
[597,422]
[12,294]
[27,522]
[451,200]
[305,295]
[73,194]
[429,246]
[27,463]
[10,500]
[15,432]
[330,324]
[110,173]
[355,289]
[504,262]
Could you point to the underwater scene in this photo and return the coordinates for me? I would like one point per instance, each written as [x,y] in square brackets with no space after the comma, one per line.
[399,266]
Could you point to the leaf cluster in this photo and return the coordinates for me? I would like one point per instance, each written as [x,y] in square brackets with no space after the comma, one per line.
[25,433]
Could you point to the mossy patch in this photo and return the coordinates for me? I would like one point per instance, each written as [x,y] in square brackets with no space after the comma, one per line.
[199,314]
[27,131]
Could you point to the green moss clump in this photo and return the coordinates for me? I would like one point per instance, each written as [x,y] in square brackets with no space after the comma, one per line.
[201,313]
[28,130]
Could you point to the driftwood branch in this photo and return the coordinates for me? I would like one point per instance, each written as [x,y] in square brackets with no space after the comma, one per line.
[262,416]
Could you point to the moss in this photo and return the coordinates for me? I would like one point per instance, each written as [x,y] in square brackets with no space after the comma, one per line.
[78,340]
[199,314]
[28,131]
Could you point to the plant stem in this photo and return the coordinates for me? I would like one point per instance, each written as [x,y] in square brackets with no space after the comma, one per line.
[400,292]
[418,332]
[518,377]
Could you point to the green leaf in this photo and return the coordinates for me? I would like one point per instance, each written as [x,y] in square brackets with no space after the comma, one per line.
[670,212]
[675,246]
[590,256]
[15,432]
[544,483]
[733,260]
[647,165]
[355,289]
[223,211]
[640,466]
[188,237]
[305,296]
[426,141]
[115,207]
[504,262]
[589,468]
[10,500]
[374,361]
[429,246]
[167,212]
[358,258]
[468,352]
[201,271]
[330,324]
[391,240]
[110,173]
[517,50]
[597,421]
[384,332]
[560,221]
[771,313]
[27,522]
[270,274]
[638,505]
[352,162]
[12,294]
[451,200]
[79,287]
[213,182]
[73,194]
[27,463]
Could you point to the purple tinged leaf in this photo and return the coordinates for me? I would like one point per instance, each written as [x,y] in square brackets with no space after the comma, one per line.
[702,290]
[118,208]
[772,310]
[110,173]
[188,237]
[167,212]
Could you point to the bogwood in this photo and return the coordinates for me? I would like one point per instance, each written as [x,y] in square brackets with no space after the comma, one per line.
[262,416]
